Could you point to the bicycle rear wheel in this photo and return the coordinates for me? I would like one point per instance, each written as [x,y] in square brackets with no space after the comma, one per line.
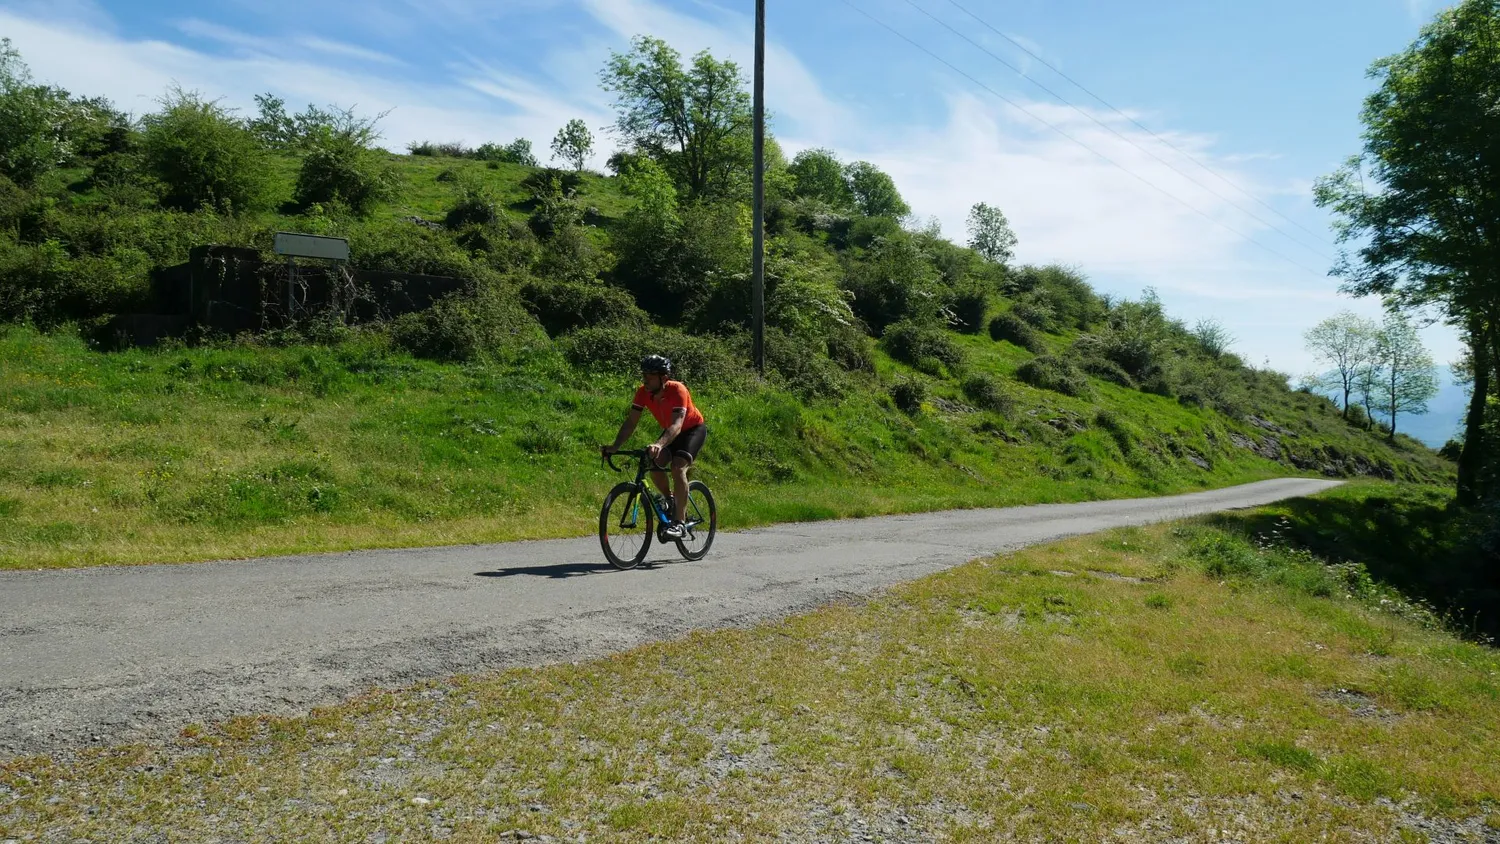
[700,520]
[625,526]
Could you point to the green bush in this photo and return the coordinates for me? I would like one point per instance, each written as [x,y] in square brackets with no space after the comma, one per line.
[562,306]
[476,206]
[909,393]
[851,349]
[203,156]
[803,367]
[969,304]
[1035,312]
[338,167]
[1012,329]
[485,323]
[988,393]
[913,342]
[1047,372]
[1107,370]
[398,246]
[609,349]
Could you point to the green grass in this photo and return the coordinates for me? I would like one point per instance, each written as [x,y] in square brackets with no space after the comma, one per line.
[993,701]
[191,454]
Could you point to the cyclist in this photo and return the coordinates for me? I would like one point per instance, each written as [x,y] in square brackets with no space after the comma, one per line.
[683,432]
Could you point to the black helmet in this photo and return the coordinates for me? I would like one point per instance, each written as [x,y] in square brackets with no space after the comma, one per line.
[655,365]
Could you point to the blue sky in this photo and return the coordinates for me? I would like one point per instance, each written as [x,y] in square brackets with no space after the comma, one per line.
[1265,94]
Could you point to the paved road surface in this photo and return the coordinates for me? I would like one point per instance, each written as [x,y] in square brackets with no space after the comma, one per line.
[116,654]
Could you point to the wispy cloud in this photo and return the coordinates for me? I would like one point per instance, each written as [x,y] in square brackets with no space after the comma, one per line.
[337,48]
[1066,204]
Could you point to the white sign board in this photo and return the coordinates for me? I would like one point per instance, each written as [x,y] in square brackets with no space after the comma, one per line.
[311,246]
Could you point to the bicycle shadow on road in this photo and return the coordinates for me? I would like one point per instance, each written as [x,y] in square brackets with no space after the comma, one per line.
[560,571]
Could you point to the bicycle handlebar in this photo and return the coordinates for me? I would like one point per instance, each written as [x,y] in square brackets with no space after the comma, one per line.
[630,452]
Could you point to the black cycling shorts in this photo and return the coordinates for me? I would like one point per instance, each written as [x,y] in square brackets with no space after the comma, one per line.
[689,442]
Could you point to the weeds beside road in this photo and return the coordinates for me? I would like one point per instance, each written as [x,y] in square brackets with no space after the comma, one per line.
[1181,680]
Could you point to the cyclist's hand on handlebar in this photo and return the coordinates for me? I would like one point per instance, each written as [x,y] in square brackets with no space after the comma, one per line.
[607,450]
[653,451]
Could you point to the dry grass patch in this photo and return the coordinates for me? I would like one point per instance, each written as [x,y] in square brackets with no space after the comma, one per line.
[1097,689]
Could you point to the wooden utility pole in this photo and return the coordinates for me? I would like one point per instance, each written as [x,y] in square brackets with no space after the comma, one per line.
[758,256]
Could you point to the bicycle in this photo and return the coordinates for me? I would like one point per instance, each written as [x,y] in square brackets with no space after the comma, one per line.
[626,527]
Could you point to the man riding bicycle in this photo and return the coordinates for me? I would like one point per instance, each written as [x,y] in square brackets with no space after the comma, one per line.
[683,432]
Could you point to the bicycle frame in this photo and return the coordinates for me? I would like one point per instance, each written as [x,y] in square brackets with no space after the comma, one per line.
[644,491]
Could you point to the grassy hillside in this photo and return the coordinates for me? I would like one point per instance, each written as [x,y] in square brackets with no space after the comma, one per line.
[1196,681]
[469,423]
[164,455]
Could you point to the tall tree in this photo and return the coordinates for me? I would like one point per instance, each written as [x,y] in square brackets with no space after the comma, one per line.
[573,143]
[990,234]
[695,121]
[1345,343]
[32,121]
[1423,198]
[874,191]
[819,174]
[1408,378]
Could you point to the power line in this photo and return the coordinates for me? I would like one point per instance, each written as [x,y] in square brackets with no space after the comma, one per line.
[1107,159]
[1060,98]
[1322,238]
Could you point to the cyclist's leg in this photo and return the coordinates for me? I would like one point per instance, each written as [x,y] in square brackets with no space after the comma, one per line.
[681,463]
[684,453]
[659,478]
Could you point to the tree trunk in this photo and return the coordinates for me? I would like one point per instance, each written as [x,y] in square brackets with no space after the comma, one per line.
[1472,459]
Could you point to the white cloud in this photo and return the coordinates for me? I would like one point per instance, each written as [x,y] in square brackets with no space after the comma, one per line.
[1065,203]
[134,73]
[793,94]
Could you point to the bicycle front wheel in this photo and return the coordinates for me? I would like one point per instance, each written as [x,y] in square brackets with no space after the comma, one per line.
[700,519]
[625,526]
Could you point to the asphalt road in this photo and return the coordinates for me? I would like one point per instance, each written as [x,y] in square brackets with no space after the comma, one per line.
[134,653]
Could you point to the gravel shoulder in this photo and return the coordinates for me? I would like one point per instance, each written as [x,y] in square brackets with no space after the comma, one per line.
[109,655]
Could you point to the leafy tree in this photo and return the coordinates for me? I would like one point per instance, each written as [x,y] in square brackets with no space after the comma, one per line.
[990,234]
[874,191]
[1422,198]
[573,143]
[694,120]
[1346,344]
[515,152]
[202,155]
[1213,337]
[818,174]
[32,118]
[1407,377]
[341,164]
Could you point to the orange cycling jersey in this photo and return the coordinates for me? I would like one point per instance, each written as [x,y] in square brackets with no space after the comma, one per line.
[674,394]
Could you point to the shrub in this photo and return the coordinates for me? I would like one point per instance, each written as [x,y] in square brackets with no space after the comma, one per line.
[202,155]
[1035,312]
[1012,329]
[476,206]
[1047,372]
[969,304]
[485,323]
[1065,291]
[801,364]
[452,149]
[341,167]
[403,247]
[447,174]
[987,393]
[852,349]
[619,351]
[909,393]
[913,343]
[562,307]
[1106,370]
